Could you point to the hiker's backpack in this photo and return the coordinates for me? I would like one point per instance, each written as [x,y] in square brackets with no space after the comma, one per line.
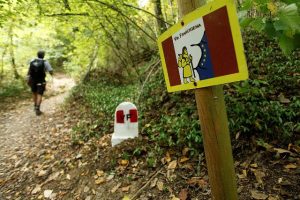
[37,70]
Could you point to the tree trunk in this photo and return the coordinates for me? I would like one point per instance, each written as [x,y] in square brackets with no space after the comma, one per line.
[11,51]
[158,12]
[93,60]
[172,11]
[2,62]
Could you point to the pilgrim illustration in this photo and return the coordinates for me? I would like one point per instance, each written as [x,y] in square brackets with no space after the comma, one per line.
[185,61]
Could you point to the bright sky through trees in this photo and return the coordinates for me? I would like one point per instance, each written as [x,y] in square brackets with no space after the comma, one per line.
[142,3]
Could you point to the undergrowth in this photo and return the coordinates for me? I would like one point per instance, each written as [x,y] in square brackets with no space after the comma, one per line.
[12,90]
[266,106]
[100,100]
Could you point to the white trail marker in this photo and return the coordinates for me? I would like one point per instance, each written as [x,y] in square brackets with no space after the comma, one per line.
[126,123]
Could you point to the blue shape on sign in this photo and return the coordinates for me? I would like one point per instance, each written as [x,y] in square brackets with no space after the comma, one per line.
[204,67]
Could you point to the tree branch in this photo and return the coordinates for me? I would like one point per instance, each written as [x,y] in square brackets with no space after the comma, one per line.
[145,11]
[67,14]
[114,8]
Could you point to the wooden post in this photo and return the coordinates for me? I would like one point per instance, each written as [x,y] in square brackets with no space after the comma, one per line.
[214,126]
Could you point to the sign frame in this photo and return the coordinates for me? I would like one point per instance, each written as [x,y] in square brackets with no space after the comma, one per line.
[237,44]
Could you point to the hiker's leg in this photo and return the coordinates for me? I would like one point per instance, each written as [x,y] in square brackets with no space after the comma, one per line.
[40,92]
[34,93]
[39,99]
[38,104]
[34,96]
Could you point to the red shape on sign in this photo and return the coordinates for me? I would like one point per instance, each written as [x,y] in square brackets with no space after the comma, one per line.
[171,61]
[133,115]
[120,116]
[220,42]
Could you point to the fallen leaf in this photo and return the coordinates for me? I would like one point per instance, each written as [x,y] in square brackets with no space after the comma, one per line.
[290,166]
[183,159]
[68,177]
[126,198]
[241,176]
[197,181]
[124,162]
[114,189]
[168,157]
[172,165]
[254,165]
[53,176]
[174,198]
[294,148]
[42,173]
[110,177]
[48,193]
[153,183]
[183,195]
[79,156]
[88,198]
[125,189]
[258,195]
[99,181]
[185,151]
[160,185]
[273,198]
[36,189]
[280,151]
[237,136]
[282,99]
[86,189]
[259,175]
[100,173]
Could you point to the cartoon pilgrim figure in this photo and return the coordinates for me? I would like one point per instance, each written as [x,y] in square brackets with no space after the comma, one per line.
[185,62]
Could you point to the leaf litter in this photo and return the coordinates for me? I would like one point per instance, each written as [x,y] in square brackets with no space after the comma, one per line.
[44,163]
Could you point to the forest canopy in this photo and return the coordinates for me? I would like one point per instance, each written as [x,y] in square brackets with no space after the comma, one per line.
[81,35]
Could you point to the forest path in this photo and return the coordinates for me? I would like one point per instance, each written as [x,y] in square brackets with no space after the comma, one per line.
[22,132]
[41,158]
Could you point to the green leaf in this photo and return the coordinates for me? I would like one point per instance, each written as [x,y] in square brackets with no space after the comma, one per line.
[242,14]
[270,30]
[279,25]
[290,1]
[246,5]
[258,24]
[286,44]
[244,22]
[261,1]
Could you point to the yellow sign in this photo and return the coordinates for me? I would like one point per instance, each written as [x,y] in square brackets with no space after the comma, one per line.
[205,48]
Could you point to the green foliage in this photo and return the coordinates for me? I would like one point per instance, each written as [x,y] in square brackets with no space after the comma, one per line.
[100,100]
[278,20]
[256,106]
[169,119]
[12,89]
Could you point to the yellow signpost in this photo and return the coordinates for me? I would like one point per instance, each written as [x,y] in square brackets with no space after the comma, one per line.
[212,39]
[202,52]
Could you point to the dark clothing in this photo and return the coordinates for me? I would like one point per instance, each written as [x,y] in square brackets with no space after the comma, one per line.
[37,71]
[38,87]
[37,74]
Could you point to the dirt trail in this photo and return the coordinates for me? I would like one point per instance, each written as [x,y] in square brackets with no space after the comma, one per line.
[21,129]
[39,159]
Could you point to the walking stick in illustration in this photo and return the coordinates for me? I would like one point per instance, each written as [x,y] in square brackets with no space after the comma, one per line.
[192,68]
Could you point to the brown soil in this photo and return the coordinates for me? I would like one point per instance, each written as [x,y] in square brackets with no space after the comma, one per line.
[39,160]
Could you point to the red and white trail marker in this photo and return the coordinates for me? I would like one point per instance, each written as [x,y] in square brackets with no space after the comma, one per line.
[126,123]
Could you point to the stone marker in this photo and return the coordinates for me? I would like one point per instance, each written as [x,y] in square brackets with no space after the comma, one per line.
[126,123]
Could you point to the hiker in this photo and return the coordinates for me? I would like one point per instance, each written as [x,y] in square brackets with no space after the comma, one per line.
[36,79]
